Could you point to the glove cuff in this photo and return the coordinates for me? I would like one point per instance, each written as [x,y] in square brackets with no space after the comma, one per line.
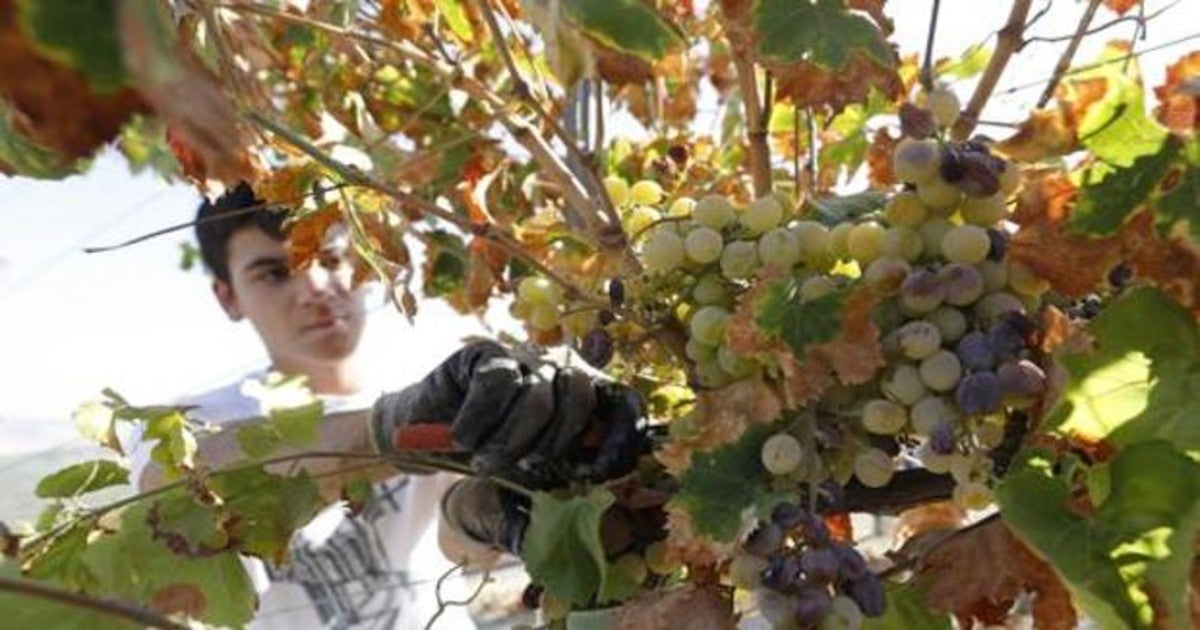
[385,418]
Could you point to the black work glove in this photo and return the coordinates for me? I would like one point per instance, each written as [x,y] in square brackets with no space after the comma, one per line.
[535,422]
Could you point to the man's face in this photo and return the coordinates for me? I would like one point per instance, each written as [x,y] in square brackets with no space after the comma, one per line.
[307,317]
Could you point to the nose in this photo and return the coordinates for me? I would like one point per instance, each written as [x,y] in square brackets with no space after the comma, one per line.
[319,281]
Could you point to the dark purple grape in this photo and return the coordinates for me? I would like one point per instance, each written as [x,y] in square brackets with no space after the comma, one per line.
[999,244]
[941,438]
[532,595]
[597,347]
[1019,321]
[812,604]
[678,153]
[868,593]
[1020,382]
[978,394]
[616,292]
[783,573]
[1006,341]
[765,540]
[605,317]
[851,565]
[980,174]
[820,564]
[952,168]
[974,351]
[787,515]
[816,532]
[916,122]
[1120,275]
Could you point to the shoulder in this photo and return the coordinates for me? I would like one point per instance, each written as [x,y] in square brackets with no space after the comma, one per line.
[224,404]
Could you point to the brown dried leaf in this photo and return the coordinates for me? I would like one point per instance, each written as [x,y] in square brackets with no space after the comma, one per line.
[1054,132]
[720,417]
[1179,97]
[685,545]
[938,516]
[1121,7]
[879,159]
[54,105]
[306,235]
[855,354]
[177,598]
[978,574]
[619,68]
[703,608]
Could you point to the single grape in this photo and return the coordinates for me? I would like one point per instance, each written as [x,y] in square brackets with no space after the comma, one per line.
[1006,341]
[935,463]
[1021,382]
[972,495]
[978,394]
[640,217]
[839,237]
[820,564]
[617,188]
[950,322]
[519,309]
[942,439]
[873,467]
[868,593]
[944,105]
[714,211]
[782,572]
[905,208]
[940,371]
[597,347]
[646,192]
[543,316]
[778,609]
[815,241]
[778,248]
[616,292]
[886,273]
[710,289]
[764,541]
[660,561]
[966,244]
[745,571]
[999,244]
[919,339]
[739,259]
[902,242]
[708,324]
[995,275]
[704,245]
[915,161]
[1010,179]
[699,352]
[538,290]
[993,306]
[733,364]
[709,375]
[921,292]
[787,515]
[812,604]
[930,411]
[884,417]
[816,287]
[939,194]
[553,608]
[761,215]
[633,566]
[963,283]
[851,565]
[663,252]
[844,614]
[984,211]
[932,233]
[682,207]
[1120,275]
[975,352]
[781,454]
[1023,281]
[865,241]
[903,384]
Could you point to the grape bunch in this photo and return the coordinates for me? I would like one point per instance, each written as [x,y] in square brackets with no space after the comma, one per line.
[800,576]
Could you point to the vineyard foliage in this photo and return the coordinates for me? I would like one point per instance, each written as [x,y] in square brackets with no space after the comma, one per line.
[844,299]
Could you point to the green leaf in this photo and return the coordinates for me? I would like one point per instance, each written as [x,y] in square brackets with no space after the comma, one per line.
[258,440]
[143,141]
[1140,382]
[823,32]
[617,586]
[61,561]
[176,447]
[1181,198]
[906,610]
[1137,544]
[836,209]
[25,157]
[20,610]
[629,26]
[299,425]
[1116,128]
[81,34]
[781,312]
[190,524]
[83,478]
[971,62]
[455,14]
[266,508]
[724,485]
[96,423]
[1109,195]
[562,549]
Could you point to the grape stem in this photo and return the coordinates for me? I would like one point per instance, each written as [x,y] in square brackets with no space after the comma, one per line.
[1008,42]
[756,132]
[927,70]
[910,561]
[112,608]
[1064,61]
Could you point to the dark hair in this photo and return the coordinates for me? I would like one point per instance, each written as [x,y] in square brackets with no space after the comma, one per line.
[217,222]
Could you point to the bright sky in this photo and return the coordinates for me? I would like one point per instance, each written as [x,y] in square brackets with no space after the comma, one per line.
[72,323]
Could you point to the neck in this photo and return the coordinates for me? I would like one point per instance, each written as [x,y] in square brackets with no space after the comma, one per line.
[332,378]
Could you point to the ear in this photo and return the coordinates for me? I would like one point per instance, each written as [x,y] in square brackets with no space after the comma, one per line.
[227,298]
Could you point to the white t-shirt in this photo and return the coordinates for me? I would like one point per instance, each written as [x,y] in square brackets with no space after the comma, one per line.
[376,570]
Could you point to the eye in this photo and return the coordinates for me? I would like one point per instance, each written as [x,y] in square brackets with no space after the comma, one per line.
[275,274]
[332,261]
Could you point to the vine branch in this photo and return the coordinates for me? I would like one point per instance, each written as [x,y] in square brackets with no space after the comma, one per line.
[112,608]
[1008,42]
[1064,61]
[756,132]
[927,69]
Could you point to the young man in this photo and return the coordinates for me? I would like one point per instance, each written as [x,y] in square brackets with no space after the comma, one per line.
[358,571]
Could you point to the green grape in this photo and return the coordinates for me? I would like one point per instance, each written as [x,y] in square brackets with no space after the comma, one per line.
[633,566]
[940,371]
[905,208]
[714,211]
[734,365]
[972,495]
[710,289]
[663,252]
[884,417]
[538,290]
[993,305]
[933,461]
[937,193]
[902,242]
[708,324]
[950,322]
[988,435]
[839,240]
[781,454]
[929,412]
[519,309]
[704,245]
[1024,282]
[921,292]
[1010,179]
[964,283]
[816,287]
[984,211]
[739,259]
[968,244]
[903,384]
[919,339]
[915,161]
[617,188]
[745,571]
[873,467]
[659,560]
[699,352]
[778,248]
[552,607]
[865,242]
[761,215]
[886,273]
[543,316]
[814,240]
[646,192]
[579,323]
[682,207]
[932,232]
[844,614]
[995,275]
[711,375]
[944,105]
[640,217]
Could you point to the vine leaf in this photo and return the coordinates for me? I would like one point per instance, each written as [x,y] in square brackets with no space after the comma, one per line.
[1179,96]
[906,609]
[703,608]
[1110,195]
[822,32]
[562,549]
[1128,560]
[971,62]
[725,486]
[629,26]
[82,36]
[782,312]
[83,478]
[95,422]
[1115,127]
[24,611]
[265,509]
[1121,7]
[1139,381]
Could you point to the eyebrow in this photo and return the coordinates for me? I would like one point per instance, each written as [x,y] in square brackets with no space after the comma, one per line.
[264,261]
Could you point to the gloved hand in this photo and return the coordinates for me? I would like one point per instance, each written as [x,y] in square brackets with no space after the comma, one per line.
[536,422]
